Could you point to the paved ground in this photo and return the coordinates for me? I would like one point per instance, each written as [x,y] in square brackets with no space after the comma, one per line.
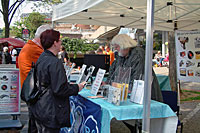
[190,112]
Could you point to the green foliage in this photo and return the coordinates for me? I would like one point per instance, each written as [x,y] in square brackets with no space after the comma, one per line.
[157,41]
[157,45]
[16,30]
[2,33]
[45,4]
[33,21]
[78,45]
[197,97]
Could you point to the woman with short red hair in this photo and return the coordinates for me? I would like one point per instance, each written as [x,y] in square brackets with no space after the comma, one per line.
[52,110]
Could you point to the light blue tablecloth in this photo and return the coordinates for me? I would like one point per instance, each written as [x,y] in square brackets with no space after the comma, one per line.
[126,110]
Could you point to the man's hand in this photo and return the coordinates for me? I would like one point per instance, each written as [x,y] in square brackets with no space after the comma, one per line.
[81,85]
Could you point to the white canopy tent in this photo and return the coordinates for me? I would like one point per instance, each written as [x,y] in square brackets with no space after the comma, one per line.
[183,14]
[160,15]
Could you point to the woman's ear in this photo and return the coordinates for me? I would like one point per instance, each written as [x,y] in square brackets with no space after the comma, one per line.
[54,43]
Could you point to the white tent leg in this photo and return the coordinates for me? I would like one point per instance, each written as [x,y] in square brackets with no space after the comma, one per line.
[163,43]
[148,66]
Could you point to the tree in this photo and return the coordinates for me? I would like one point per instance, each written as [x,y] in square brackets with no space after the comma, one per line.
[33,21]
[172,62]
[16,30]
[8,13]
[75,46]
[45,4]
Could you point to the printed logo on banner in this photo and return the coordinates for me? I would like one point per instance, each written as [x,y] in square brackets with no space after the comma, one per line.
[197,42]
[14,78]
[85,118]
[183,41]
[4,78]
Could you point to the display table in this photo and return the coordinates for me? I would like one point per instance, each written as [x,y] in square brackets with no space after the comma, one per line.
[163,119]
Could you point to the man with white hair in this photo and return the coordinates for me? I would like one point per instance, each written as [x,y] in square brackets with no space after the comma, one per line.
[132,56]
[6,58]
[13,53]
[30,53]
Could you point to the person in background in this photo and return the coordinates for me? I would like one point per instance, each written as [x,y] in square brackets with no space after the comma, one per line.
[99,51]
[13,53]
[109,52]
[6,57]
[30,53]
[62,55]
[103,49]
[132,56]
[116,54]
[52,110]
[92,52]
[158,58]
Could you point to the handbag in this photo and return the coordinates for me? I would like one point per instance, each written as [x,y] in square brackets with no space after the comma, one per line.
[30,90]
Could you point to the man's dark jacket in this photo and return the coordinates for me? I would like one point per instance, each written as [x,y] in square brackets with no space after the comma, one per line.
[135,60]
[53,108]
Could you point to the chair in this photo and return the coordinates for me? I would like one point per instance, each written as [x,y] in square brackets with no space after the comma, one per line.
[170,98]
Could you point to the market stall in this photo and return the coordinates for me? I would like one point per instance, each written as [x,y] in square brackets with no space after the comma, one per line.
[169,16]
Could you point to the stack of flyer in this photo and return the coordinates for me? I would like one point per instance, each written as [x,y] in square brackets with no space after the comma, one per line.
[117,93]
[124,90]
[137,94]
[114,95]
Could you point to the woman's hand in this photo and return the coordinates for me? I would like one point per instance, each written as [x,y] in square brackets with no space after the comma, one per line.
[103,83]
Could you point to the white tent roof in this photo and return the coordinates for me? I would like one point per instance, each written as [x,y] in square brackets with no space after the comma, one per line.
[130,13]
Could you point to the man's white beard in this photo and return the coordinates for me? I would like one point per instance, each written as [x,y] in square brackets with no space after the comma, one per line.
[119,53]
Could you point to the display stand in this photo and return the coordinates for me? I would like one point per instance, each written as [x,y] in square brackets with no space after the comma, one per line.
[11,124]
[10,98]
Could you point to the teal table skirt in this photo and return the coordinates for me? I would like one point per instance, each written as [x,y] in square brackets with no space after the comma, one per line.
[164,82]
[126,111]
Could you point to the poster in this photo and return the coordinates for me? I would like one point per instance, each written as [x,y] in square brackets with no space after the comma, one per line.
[188,55]
[9,91]
[81,74]
[85,116]
[97,82]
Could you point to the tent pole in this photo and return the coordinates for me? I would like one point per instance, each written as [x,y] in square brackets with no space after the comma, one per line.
[148,66]
[163,43]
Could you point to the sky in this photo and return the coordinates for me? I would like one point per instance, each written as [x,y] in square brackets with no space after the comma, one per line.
[25,7]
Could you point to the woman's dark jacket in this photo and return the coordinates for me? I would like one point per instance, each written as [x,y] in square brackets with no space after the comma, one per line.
[53,108]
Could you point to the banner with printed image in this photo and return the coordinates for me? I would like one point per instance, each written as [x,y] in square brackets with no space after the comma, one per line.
[85,116]
[188,55]
[9,91]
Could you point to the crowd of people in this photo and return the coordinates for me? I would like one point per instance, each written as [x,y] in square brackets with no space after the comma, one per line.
[106,51]
[159,60]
